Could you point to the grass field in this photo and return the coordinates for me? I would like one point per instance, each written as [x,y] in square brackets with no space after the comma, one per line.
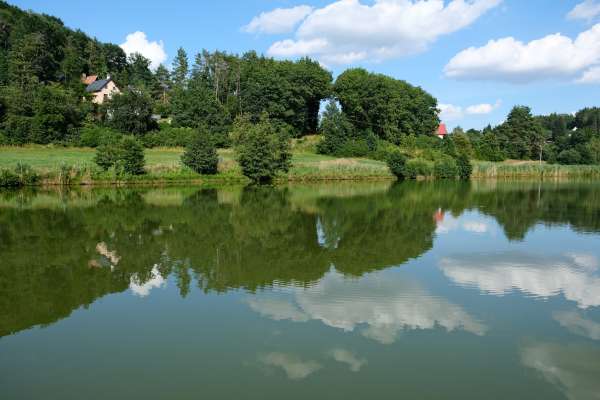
[164,163]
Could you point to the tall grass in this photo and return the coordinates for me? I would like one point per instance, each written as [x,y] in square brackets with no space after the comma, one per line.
[533,170]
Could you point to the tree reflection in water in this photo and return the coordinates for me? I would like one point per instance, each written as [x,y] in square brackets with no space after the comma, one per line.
[64,250]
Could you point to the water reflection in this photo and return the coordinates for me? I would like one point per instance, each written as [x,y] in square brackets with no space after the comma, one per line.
[573,369]
[577,324]
[347,357]
[64,250]
[575,276]
[380,307]
[294,367]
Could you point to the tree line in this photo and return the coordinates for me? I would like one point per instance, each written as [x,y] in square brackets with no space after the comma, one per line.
[42,100]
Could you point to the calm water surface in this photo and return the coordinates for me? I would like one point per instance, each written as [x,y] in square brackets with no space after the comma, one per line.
[341,291]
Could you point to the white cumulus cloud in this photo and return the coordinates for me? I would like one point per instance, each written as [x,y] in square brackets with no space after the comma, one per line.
[451,112]
[552,57]
[587,9]
[280,20]
[137,42]
[591,76]
[348,31]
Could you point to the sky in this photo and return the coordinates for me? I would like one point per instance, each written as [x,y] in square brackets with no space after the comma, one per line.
[479,58]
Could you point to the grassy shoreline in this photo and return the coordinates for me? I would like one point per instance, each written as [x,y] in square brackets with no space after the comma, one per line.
[59,166]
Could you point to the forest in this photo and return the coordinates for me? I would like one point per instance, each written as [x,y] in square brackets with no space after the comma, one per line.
[251,103]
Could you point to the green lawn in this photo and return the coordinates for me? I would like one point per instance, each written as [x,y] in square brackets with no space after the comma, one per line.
[305,165]
[42,157]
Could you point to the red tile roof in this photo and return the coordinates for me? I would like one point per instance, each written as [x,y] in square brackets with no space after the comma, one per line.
[441,130]
[88,80]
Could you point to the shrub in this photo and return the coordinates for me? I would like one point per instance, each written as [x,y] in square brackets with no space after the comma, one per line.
[132,156]
[169,137]
[94,136]
[445,168]
[3,139]
[353,148]
[201,155]
[260,149]
[27,176]
[9,179]
[127,156]
[107,155]
[418,167]
[396,162]
[465,168]
[569,157]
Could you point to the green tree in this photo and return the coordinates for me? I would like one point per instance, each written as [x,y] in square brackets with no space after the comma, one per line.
[201,154]
[396,162]
[465,168]
[130,112]
[391,108]
[261,150]
[335,128]
[132,156]
[180,69]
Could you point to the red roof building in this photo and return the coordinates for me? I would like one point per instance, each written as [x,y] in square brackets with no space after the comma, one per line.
[441,131]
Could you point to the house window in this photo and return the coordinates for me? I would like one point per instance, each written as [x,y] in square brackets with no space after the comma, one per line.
[105,96]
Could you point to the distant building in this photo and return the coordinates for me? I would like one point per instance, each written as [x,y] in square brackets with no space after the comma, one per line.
[441,131]
[101,90]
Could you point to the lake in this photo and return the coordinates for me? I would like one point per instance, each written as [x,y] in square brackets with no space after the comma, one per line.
[418,290]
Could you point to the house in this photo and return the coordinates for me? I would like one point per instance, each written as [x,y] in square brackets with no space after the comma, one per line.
[101,90]
[441,131]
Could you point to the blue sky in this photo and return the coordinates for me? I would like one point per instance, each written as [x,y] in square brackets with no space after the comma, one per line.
[422,42]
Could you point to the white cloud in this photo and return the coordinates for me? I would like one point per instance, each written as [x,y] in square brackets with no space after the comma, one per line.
[475,227]
[379,308]
[347,357]
[348,31]
[591,76]
[280,20]
[137,42]
[451,112]
[574,369]
[578,325]
[482,109]
[142,289]
[294,367]
[587,9]
[572,275]
[277,309]
[553,56]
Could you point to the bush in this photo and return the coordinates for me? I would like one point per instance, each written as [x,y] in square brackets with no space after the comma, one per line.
[353,148]
[418,167]
[201,155]
[569,157]
[132,156]
[127,156]
[9,179]
[445,168]
[260,149]
[396,162]
[94,136]
[169,137]
[23,175]
[465,168]
[27,176]
[107,155]
[3,139]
